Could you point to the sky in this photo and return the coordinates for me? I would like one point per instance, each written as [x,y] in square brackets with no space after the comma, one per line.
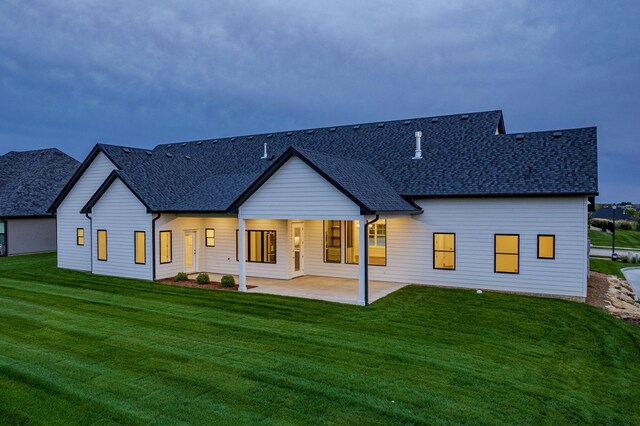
[74,73]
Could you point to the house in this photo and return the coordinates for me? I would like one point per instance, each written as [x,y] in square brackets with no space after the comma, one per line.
[606,212]
[451,201]
[29,183]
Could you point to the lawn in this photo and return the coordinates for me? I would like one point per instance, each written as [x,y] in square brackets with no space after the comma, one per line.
[608,267]
[76,348]
[628,239]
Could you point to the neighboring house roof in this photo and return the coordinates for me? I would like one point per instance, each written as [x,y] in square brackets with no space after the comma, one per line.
[463,155]
[30,180]
[607,213]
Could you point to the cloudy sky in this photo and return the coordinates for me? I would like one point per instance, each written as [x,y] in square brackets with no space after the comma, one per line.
[73,73]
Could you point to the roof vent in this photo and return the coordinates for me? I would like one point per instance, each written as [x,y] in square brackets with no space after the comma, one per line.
[464,116]
[169,155]
[519,137]
[126,150]
[214,141]
[407,122]
[380,124]
[557,134]
[184,144]
[232,139]
[289,133]
[435,120]
[309,132]
[148,152]
[265,155]
[169,146]
[187,157]
[250,138]
[356,127]
[199,143]
[418,155]
[333,129]
[269,136]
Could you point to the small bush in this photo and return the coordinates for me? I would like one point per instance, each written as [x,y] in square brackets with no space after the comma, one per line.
[182,276]
[599,223]
[624,225]
[227,281]
[203,279]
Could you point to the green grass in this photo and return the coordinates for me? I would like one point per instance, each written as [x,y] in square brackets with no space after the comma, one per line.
[629,239]
[82,349]
[608,267]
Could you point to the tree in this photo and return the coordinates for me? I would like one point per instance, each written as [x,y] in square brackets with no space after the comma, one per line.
[636,216]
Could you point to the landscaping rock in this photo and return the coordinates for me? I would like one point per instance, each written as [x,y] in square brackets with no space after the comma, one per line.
[621,302]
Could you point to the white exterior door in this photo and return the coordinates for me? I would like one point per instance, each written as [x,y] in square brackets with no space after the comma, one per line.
[190,252]
[297,244]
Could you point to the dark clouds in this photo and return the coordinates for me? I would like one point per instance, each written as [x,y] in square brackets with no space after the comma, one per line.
[73,73]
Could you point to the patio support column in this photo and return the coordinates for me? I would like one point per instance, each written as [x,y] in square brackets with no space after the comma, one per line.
[363,263]
[242,275]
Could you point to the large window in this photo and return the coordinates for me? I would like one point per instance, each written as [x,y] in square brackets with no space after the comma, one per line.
[260,247]
[546,246]
[377,236]
[102,244]
[210,237]
[165,247]
[80,236]
[444,251]
[140,247]
[332,241]
[507,253]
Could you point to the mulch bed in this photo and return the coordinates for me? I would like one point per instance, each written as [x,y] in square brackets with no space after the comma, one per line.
[213,285]
[597,287]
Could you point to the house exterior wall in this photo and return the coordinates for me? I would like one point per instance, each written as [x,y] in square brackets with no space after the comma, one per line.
[475,221]
[296,191]
[71,255]
[120,213]
[222,257]
[27,235]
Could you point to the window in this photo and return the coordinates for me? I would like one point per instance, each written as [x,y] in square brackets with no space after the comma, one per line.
[444,251]
[261,246]
[140,247]
[377,236]
[546,246]
[3,238]
[210,237]
[102,244]
[166,250]
[80,236]
[332,241]
[507,253]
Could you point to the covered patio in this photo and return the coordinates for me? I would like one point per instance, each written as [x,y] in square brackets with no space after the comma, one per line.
[341,290]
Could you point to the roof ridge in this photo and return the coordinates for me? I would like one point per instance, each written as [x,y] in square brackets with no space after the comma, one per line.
[548,131]
[369,123]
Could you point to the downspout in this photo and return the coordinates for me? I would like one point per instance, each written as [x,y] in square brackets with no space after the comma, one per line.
[90,233]
[153,245]
[366,261]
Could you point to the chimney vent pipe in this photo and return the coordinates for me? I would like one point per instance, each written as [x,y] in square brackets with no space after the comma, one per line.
[418,155]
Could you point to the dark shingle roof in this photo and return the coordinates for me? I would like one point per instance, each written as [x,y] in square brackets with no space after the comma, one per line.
[461,157]
[30,181]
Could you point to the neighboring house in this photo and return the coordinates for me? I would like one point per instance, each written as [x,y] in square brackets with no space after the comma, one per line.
[450,201]
[607,213]
[29,183]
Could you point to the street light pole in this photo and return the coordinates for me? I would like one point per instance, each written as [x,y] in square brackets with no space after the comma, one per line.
[614,256]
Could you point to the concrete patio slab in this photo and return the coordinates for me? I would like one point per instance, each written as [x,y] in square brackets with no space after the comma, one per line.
[341,290]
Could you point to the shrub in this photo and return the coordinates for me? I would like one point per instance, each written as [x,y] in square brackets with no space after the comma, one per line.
[599,223]
[624,225]
[203,279]
[182,276]
[227,281]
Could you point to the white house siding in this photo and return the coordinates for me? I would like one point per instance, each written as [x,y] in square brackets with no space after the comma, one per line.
[296,191]
[31,235]
[70,255]
[120,213]
[222,257]
[475,221]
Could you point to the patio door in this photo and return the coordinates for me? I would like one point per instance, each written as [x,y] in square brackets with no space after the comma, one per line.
[190,252]
[297,244]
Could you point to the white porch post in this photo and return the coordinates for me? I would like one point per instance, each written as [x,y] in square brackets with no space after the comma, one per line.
[242,275]
[363,244]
